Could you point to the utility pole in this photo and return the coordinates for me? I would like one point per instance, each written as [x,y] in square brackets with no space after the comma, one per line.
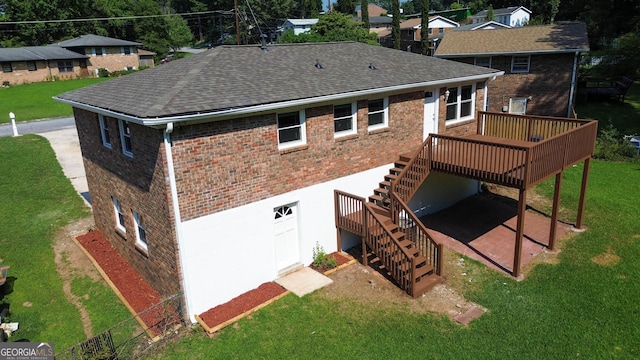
[235,6]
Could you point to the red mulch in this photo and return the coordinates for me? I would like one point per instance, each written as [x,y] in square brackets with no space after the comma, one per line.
[340,260]
[137,291]
[241,304]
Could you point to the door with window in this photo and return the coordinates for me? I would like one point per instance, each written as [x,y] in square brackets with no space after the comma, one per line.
[285,225]
[430,114]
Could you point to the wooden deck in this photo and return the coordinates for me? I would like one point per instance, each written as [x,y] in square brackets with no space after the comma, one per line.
[517,151]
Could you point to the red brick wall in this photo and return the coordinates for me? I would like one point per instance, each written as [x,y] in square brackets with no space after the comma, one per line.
[45,71]
[139,185]
[548,82]
[230,163]
[463,128]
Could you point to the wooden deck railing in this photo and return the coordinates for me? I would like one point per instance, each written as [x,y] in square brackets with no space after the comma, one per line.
[349,212]
[523,127]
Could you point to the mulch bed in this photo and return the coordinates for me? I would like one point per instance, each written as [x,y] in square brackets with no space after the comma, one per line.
[137,293]
[240,305]
[340,260]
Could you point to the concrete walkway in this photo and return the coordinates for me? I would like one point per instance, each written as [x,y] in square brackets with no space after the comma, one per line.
[66,145]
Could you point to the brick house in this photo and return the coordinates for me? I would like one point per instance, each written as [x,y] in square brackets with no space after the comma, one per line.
[105,52]
[39,63]
[540,64]
[216,173]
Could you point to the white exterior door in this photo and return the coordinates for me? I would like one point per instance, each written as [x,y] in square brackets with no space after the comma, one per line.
[430,114]
[285,227]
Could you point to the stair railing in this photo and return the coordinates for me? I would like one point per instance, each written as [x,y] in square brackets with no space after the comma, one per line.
[415,231]
[400,264]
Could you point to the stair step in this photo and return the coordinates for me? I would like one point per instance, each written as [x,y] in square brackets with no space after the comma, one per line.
[423,270]
[426,283]
[401,163]
[382,191]
[405,157]
[379,200]
[390,177]
[381,210]
[385,184]
[395,170]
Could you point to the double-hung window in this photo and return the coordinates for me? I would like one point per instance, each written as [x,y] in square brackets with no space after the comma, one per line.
[141,232]
[6,67]
[460,104]
[98,51]
[378,113]
[291,129]
[483,61]
[65,66]
[520,64]
[344,119]
[31,66]
[104,131]
[125,50]
[119,214]
[125,138]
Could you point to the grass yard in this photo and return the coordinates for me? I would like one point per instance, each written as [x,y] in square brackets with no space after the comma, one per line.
[583,307]
[34,101]
[37,200]
[623,116]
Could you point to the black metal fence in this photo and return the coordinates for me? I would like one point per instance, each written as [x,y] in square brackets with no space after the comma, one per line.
[133,337]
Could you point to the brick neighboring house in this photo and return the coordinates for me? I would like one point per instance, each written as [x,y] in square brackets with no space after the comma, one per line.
[39,63]
[105,52]
[540,64]
[216,173]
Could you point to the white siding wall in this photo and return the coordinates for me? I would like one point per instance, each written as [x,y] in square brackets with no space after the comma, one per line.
[231,252]
[439,191]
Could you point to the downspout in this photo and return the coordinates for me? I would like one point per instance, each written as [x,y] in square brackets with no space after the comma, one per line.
[574,75]
[176,218]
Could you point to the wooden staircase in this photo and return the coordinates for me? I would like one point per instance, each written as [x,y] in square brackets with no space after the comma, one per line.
[400,248]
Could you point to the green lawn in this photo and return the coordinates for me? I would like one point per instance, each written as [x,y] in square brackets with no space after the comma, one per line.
[34,101]
[623,116]
[36,201]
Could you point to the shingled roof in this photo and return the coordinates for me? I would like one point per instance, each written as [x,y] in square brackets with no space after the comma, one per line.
[38,53]
[235,77]
[96,40]
[557,38]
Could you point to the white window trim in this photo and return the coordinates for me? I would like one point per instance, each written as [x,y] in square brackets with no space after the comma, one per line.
[117,208]
[459,119]
[520,99]
[303,132]
[475,61]
[354,123]
[125,151]
[385,115]
[126,47]
[93,51]
[513,62]
[106,142]
[136,222]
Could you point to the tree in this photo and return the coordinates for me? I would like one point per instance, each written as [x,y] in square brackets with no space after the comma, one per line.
[179,33]
[395,24]
[334,26]
[364,10]
[424,27]
[490,15]
[346,6]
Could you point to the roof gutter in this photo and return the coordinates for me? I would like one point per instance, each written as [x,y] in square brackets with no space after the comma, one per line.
[533,52]
[163,121]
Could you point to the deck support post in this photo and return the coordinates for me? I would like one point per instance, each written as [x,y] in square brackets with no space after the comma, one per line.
[554,212]
[522,206]
[339,237]
[583,192]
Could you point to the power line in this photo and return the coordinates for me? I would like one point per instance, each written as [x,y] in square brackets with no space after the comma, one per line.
[224,12]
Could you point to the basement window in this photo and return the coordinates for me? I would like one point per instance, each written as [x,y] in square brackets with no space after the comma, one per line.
[141,232]
[119,214]
[31,66]
[6,67]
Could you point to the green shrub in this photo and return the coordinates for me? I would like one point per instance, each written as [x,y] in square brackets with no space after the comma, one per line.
[610,145]
[322,260]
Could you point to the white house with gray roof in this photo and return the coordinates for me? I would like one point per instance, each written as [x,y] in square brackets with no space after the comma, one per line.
[298,26]
[215,173]
[514,16]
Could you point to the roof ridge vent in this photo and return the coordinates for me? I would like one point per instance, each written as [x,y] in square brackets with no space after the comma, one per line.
[318,65]
[372,67]
[263,37]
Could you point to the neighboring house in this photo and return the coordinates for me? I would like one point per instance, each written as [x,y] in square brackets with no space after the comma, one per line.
[514,16]
[486,25]
[105,52]
[146,58]
[211,179]
[379,24]
[39,63]
[410,32]
[374,11]
[299,26]
[540,64]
